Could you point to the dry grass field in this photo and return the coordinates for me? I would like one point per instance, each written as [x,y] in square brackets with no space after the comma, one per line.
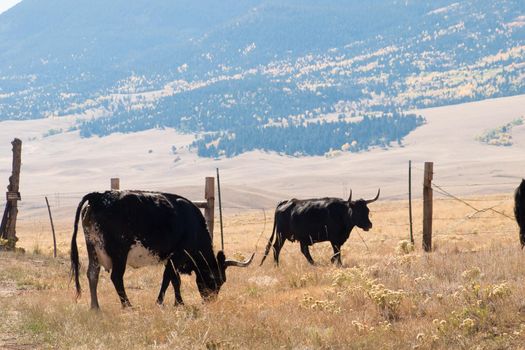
[468,293]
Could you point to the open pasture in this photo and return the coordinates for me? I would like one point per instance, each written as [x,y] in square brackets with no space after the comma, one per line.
[468,293]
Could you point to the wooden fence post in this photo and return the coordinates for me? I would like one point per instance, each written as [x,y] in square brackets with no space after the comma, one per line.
[115,183]
[8,225]
[427,206]
[209,195]
[52,229]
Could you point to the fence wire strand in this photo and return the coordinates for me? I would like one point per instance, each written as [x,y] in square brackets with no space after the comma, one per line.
[444,192]
[66,200]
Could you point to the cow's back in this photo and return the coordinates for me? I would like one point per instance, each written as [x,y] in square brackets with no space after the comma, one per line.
[128,218]
[318,220]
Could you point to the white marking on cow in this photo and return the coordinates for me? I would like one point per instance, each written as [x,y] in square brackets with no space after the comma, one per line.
[139,256]
[103,258]
[94,237]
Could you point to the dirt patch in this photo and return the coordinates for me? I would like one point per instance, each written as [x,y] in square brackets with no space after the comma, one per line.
[8,289]
[9,342]
[9,338]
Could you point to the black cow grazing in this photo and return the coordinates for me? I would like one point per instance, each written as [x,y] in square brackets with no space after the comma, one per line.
[519,210]
[141,228]
[317,220]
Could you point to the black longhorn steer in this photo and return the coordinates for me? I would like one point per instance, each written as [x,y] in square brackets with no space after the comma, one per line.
[317,220]
[519,210]
[141,228]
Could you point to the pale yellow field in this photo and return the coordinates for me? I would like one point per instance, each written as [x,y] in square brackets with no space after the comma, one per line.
[466,294]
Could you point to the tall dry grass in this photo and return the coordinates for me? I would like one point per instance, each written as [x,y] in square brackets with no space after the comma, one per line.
[466,294]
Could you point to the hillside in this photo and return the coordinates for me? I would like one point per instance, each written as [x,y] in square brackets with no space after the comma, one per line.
[238,74]
[65,166]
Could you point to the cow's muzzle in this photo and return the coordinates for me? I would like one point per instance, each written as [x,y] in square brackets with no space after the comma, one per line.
[211,297]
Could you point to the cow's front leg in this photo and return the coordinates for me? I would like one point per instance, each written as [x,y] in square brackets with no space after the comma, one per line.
[92,274]
[170,275]
[117,277]
[306,252]
[175,282]
[166,278]
[336,258]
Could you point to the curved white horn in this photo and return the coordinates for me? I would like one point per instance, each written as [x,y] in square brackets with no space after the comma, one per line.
[239,263]
[373,200]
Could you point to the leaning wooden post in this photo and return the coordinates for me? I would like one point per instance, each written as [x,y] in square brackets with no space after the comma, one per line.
[52,229]
[3,224]
[427,206]
[209,195]
[115,183]
[13,196]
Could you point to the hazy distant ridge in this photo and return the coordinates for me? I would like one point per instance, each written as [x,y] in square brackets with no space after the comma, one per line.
[254,66]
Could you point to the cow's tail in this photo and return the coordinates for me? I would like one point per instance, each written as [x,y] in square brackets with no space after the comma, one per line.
[270,241]
[75,262]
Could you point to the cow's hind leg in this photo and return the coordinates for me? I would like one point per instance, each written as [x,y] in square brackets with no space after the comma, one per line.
[117,277]
[277,245]
[92,274]
[336,258]
[306,253]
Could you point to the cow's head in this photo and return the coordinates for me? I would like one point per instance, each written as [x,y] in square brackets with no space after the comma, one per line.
[360,212]
[212,275]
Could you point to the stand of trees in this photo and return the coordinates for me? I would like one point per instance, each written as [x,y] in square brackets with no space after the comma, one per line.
[313,139]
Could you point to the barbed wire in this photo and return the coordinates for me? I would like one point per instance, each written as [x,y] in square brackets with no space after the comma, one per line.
[394,196]
[473,233]
[461,218]
[418,168]
[482,184]
[68,199]
[398,225]
[448,198]
[441,190]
